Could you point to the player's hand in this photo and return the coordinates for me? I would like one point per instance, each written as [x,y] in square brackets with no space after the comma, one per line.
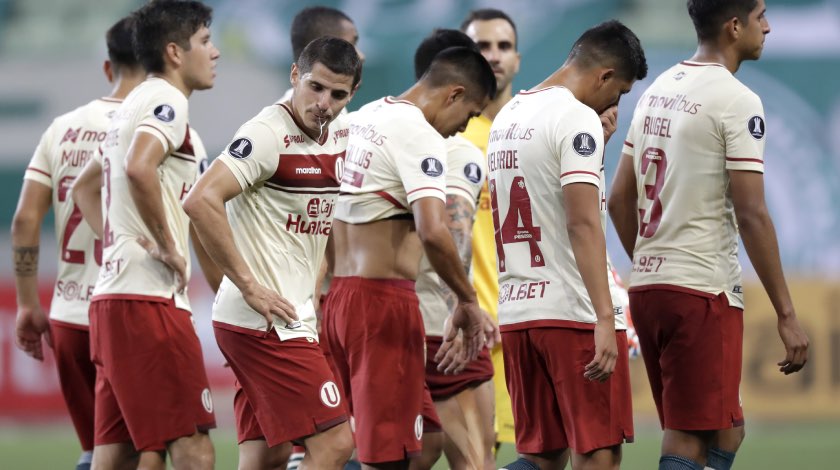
[171,258]
[606,353]
[609,121]
[450,356]
[492,334]
[268,303]
[633,346]
[469,320]
[796,345]
[30,325]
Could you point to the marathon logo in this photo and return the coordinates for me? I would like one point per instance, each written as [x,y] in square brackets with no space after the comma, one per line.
[308,171]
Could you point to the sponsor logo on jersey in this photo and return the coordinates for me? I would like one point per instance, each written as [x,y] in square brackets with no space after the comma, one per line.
[330,395]
[165,113]
[292,139]
[312,170]
[418,427]
[207,400]
[71,135]
[473,172]
[340,134]
[756,127]
[431,166]
[679,76]
[240,148]
[584,144]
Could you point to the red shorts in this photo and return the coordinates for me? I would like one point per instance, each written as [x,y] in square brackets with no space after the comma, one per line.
[151,387]
[443,386]
[554,406]
[77,374]
[374,332]
[431,420]
[288,386]
[691,344]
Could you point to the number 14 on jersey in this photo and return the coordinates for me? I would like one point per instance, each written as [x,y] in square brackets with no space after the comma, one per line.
[518,225]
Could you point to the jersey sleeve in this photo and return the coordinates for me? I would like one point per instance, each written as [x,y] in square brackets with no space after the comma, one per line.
[579,146]
[165,117]
[743,129]
[253,154]
[466,170]
[40,167]
[421,163]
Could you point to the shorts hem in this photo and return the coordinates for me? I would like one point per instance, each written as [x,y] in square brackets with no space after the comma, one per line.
[450,392]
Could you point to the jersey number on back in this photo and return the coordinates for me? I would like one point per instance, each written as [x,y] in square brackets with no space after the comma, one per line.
[68,255]
[652,156]
[511,231]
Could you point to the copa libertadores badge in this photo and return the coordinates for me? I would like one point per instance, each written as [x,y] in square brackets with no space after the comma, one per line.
[432,167]
[240,148]
[584,144]
[756,127]
[165,113]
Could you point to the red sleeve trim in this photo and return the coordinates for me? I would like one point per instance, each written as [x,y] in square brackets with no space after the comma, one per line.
[425,187]
[629,144]
[579,172]
[752,160]
[391,199]
[32,168]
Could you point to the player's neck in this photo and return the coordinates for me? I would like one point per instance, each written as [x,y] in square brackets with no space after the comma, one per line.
[568,77]
[126,82]
[502,98]
[712,53]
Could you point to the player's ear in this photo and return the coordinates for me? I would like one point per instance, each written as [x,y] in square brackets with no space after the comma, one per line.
[604,76]
[456,93]
[172,53]
[108,69]
[294,75]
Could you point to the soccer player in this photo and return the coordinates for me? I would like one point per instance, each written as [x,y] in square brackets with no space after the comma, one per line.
[495,33]
[64,148]
[154,393]
[392,207]
[462,393]
[689,181]
[313,22]
[565,363]
[279,180]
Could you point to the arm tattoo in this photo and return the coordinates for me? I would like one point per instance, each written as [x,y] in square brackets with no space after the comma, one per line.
[26,260]
[459,221]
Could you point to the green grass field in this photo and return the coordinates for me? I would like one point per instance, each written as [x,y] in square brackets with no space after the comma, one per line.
[768,447]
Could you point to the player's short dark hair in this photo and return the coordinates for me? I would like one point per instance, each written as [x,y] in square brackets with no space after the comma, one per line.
[463,66]
[487,14]
[439,40]
[120,42]
[335,54]
[709,15]
[161,22]
[612,44]
[313,22]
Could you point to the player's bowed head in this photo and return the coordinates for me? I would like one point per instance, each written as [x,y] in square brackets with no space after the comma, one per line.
[324,79]
[457,86]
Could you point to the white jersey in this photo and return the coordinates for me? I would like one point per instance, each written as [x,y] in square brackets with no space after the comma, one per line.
[541,141]
[394,157]
[466,168]
[693,124]
[128,271]
[64,149]
[283,217]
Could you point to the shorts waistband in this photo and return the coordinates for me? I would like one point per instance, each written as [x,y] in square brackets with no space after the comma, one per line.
[358,282]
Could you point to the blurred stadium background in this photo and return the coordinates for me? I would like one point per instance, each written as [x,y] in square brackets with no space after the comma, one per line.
[51,54]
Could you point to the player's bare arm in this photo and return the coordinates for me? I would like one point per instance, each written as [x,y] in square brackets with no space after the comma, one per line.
[205,205]
[144,156]
[31,322]
[622,204]
[459,213]
[211,272]
[583,223]
[87,195]
[430,222]
[759,236]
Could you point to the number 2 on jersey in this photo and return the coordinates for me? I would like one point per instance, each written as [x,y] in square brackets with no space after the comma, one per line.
[511,231]
[68,255]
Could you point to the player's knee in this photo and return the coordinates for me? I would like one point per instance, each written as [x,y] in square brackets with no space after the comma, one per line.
[193,453]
